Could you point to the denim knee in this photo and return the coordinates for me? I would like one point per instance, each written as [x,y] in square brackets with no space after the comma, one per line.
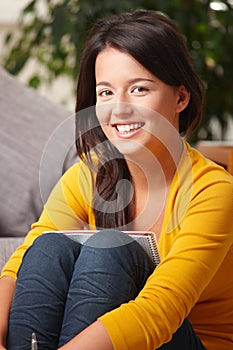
[116,251]
[110,270]
[50,249]
[109,238]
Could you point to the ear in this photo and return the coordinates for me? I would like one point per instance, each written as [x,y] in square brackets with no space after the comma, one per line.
[183,98]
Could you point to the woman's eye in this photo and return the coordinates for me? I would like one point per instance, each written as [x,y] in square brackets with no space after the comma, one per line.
[139,89]
[105,93]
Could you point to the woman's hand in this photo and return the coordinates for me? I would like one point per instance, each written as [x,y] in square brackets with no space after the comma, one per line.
[93,337]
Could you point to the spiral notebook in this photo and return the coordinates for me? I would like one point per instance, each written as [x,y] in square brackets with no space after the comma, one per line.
[146,239]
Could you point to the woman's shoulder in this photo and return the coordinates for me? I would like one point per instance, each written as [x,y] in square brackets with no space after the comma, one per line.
[77,171]
[77,181]
[200,180]
[206,169]
[201,189]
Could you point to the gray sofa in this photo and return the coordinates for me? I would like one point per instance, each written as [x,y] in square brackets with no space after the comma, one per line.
[7,247]
[37,147]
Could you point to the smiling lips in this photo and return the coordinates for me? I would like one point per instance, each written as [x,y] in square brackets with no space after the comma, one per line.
[127,130]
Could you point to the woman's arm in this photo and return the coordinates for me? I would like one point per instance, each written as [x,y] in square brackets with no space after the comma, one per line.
[7,288]
[93,337]
[63,210]
[197,247]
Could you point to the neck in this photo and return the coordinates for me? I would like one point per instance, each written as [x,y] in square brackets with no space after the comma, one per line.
[152,176]
[157,166]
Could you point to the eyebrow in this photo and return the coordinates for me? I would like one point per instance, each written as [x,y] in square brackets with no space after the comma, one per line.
[131,81]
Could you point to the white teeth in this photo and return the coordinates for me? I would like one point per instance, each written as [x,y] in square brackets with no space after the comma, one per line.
[128,127]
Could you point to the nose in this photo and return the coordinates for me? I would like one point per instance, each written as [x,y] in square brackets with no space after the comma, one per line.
[121,106]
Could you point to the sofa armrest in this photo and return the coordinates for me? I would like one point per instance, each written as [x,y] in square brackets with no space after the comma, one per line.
[7,247]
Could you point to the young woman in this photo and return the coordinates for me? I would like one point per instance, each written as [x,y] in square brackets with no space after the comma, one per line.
[137,95]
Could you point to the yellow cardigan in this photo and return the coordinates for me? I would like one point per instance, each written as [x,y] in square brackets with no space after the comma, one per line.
[194,278]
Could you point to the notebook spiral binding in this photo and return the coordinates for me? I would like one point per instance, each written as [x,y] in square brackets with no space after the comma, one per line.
[154,251]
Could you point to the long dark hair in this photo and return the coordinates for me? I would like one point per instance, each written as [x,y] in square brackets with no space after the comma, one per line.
[155,42]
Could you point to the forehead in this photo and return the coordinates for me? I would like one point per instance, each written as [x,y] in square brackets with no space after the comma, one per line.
[114,63]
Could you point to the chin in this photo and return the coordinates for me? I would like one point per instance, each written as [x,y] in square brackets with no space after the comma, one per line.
[127,146]
[131,148]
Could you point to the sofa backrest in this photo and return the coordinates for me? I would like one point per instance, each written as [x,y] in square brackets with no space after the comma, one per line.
[37,146]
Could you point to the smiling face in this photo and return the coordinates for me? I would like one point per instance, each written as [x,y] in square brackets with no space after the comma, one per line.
[128,97]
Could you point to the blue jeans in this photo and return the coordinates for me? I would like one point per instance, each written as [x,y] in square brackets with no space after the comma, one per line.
[62,287]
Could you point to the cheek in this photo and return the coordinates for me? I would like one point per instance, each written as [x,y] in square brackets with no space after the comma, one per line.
[103,113]
[164,104]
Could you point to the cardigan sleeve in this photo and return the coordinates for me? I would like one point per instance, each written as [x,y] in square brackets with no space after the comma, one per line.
[191,256]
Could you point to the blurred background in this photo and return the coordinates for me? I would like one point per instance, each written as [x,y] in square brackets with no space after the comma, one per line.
[41,42]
